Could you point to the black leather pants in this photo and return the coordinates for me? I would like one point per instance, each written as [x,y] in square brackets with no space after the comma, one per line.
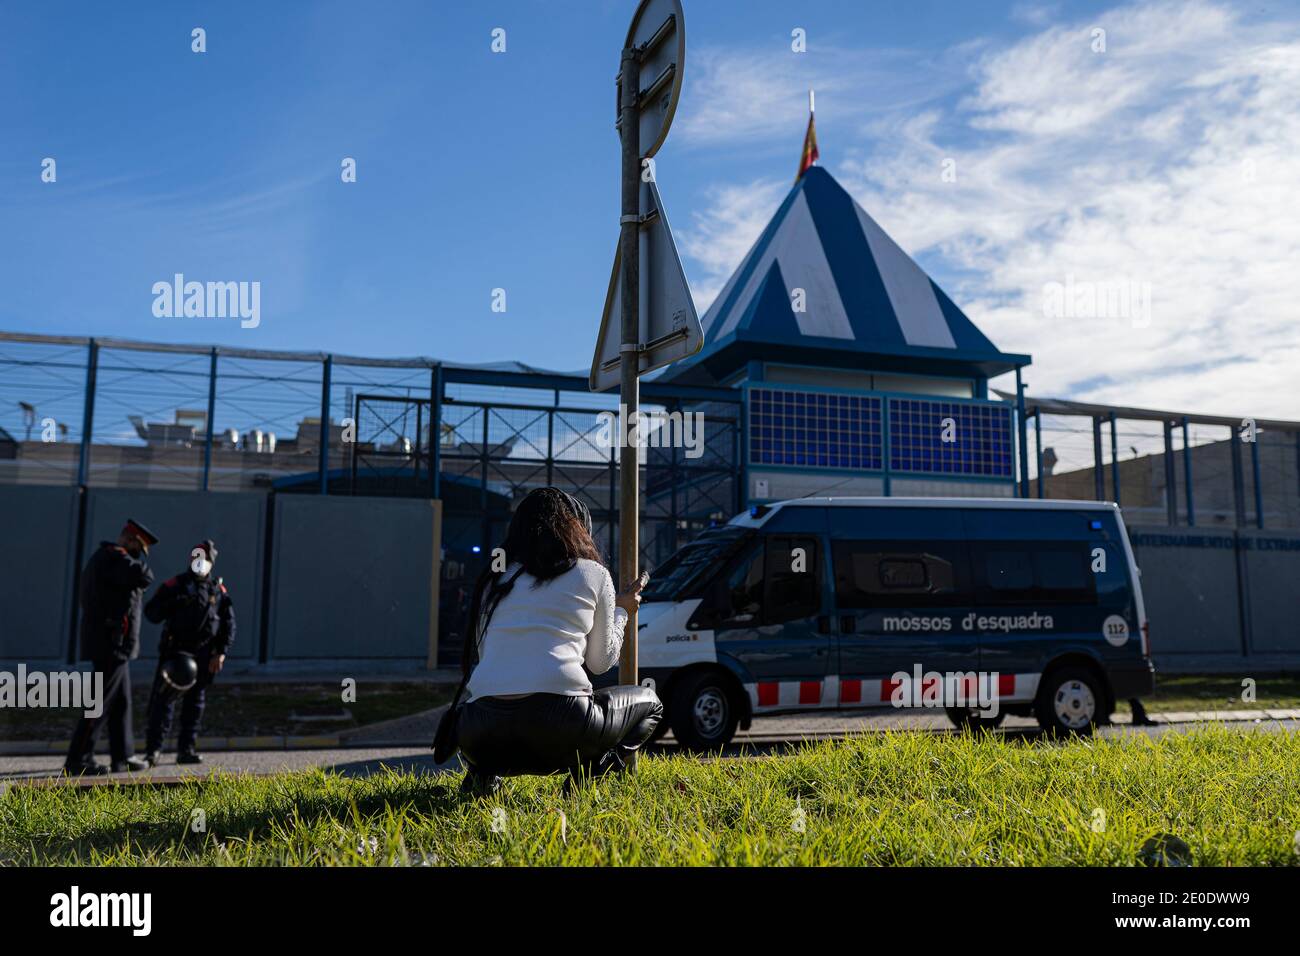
[553,733]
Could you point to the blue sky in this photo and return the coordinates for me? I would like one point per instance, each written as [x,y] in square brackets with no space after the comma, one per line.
[479,170]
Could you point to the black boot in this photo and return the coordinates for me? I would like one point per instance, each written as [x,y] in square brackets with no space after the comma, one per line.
[1140,718]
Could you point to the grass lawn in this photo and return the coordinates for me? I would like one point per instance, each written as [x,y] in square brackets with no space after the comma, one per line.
[1183,692]
[250,709]
[896,798]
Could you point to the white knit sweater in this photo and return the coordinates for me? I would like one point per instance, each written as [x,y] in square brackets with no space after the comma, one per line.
[540,635]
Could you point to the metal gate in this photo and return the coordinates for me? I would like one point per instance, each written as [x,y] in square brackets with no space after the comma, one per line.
[491,454]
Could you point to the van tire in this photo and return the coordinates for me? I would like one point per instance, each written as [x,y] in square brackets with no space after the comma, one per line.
[702,712]
[1071,700]
[969,719]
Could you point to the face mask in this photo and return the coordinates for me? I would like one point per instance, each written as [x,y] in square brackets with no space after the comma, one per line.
[199,563]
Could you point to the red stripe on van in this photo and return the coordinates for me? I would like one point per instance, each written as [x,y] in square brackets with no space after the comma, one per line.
[887,688]
[769,694]
[850,692]
[1006,685]
[810,692]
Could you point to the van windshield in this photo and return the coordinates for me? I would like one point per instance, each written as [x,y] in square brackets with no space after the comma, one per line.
[675,576]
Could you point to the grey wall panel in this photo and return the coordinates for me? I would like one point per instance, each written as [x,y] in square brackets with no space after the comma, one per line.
[1273,590]
[40,526]
[1189,582]
[181,519]
[353,577]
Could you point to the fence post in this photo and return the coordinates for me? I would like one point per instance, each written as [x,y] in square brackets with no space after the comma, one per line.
[1114,455]
[1187,476]
[88,413]
[1259,492]
[212,411]
[1023,429]
[1171,491]
[1238,482]
[1098,474]
[1038,446]
[435,432]
[326,369]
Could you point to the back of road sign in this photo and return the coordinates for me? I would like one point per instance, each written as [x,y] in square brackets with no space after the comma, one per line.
[670,326]
[658,30]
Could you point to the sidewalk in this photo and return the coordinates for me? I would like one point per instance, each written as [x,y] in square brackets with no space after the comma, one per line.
[416,730]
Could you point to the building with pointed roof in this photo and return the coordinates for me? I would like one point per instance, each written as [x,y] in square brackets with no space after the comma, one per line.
[861,375]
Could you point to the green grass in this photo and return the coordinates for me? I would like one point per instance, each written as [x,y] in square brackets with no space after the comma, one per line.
[1183,692]
[895,798]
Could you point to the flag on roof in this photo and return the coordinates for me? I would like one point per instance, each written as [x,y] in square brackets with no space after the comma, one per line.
[810,153]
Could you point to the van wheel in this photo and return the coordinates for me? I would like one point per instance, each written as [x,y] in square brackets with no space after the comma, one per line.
[1070,701]
[966,718]
[702,713]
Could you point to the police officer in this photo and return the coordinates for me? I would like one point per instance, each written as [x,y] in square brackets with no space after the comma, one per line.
[112,586]
[198,622]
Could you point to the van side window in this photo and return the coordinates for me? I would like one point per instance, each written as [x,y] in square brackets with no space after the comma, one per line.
[1054,572]
[793,576]
[1009,572]
[900,573]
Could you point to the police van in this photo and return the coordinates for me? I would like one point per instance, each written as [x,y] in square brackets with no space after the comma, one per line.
[845,603]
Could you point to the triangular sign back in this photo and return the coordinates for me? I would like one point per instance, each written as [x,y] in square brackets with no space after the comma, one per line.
[670,326]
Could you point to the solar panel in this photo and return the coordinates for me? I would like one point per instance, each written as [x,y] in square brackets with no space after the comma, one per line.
[802,428]
[950,438]
[815,429]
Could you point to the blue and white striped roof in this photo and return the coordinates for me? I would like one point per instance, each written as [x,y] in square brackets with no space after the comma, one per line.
[863,296]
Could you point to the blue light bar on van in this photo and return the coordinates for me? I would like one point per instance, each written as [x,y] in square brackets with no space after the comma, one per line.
[1094,524]
[757,511]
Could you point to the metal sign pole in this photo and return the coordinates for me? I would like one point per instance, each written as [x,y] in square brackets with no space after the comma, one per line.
[629,388]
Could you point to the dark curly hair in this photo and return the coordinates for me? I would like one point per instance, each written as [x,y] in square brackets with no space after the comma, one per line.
[546,537]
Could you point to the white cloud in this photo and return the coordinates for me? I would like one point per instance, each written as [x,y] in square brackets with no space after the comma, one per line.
[1171,159]
[757,98]
[718,239]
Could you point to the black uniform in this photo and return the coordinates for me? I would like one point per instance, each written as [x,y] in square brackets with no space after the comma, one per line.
[112,586]
[198,618]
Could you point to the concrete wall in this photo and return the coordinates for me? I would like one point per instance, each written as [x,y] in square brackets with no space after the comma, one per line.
[1190,582]
[181,519]
[1272,562]
[36,575]
[354,577]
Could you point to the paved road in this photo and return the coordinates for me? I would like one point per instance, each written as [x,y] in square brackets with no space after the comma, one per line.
[768,735]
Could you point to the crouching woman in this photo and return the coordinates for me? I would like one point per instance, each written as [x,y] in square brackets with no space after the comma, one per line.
[531,708]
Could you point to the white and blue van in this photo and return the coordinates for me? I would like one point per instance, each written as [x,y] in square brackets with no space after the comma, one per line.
[844,603]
